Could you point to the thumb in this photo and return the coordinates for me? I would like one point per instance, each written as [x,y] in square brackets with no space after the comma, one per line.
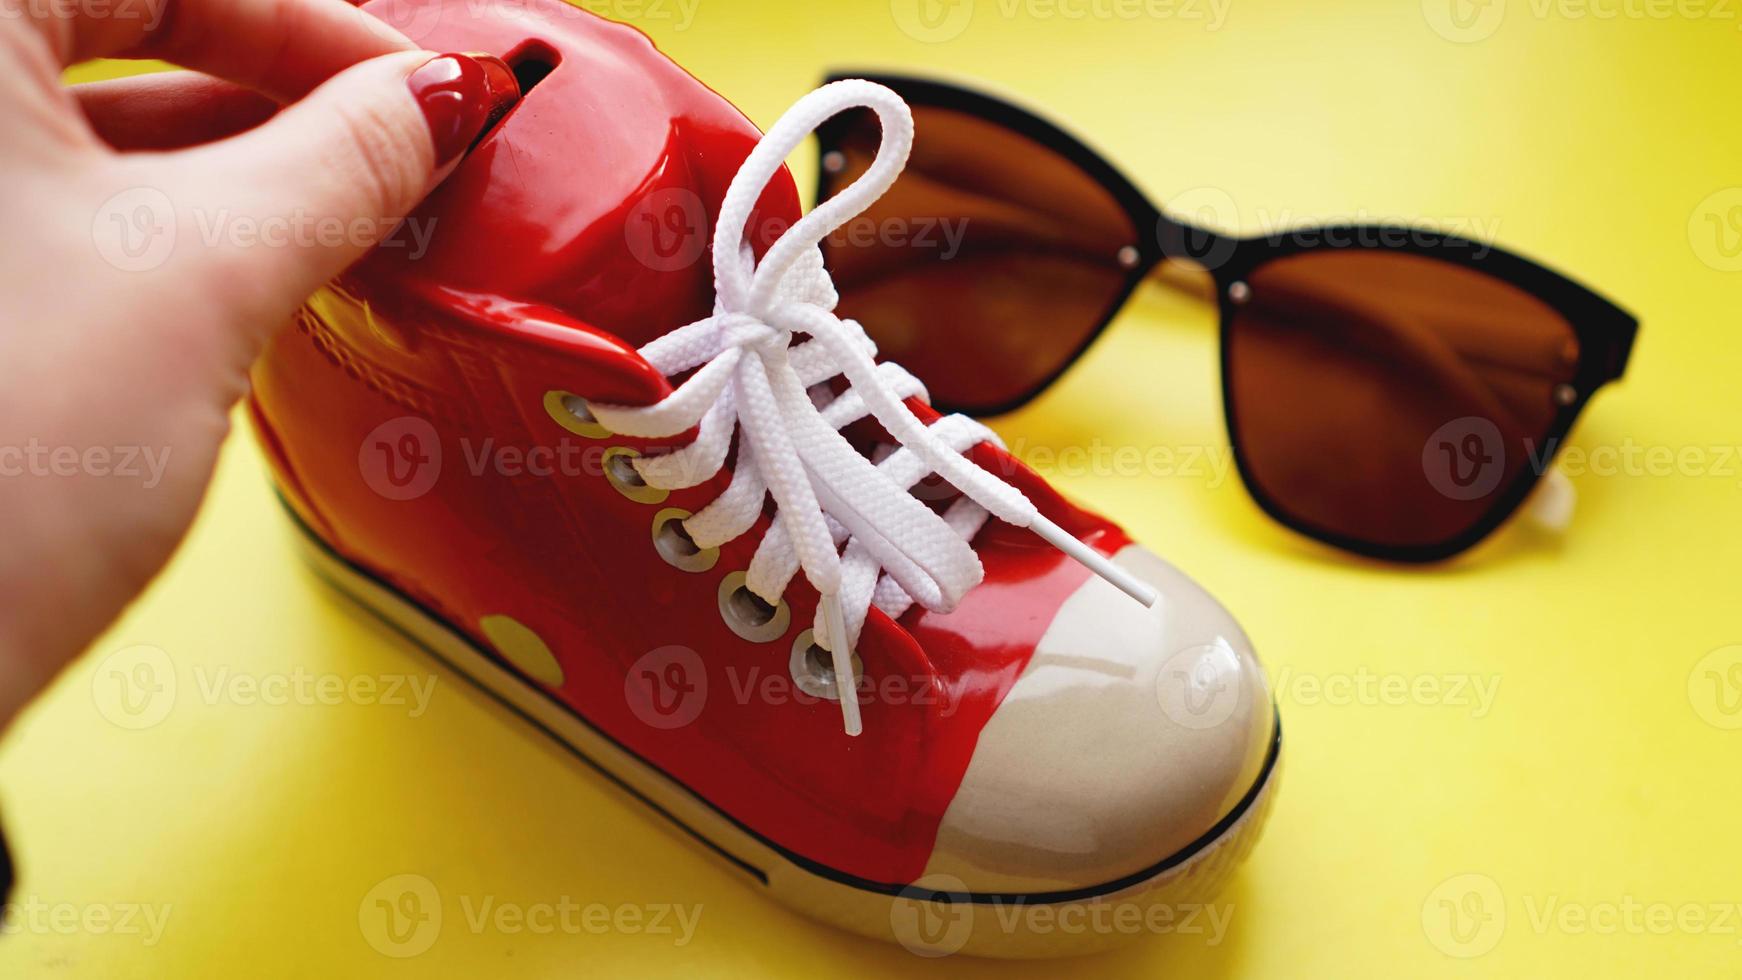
[333,174]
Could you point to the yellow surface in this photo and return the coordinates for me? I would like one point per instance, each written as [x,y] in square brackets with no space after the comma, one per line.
[1594,793]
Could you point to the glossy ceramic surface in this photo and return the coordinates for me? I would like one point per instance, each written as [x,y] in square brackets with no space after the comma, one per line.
[420,417]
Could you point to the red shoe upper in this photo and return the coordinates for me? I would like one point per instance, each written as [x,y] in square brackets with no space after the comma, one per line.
[408,417]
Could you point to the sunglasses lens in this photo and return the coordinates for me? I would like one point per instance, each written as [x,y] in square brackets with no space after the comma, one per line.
[1391,399]
[986,267]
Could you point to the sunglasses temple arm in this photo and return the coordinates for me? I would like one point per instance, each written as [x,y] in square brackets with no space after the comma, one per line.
[1551,504]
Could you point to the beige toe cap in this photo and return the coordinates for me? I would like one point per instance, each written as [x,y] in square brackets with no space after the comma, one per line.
[1129,736]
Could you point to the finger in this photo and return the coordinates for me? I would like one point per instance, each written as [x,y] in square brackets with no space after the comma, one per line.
[352,158]
[283,48]
[169,110]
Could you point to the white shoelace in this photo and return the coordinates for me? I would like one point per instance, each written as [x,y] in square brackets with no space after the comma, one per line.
[749,378]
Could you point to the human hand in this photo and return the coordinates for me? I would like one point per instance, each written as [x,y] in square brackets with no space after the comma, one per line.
[159,228]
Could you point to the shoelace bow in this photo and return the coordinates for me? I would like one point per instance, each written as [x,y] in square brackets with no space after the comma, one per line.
[750,379]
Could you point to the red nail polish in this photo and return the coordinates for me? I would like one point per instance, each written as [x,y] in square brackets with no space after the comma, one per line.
[503,87]
[461,95]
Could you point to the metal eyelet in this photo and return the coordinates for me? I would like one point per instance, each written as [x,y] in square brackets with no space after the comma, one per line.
[813,668]
[834,162]
[674,545]
[621,474]
[1129,256]
[747,615]
[571,412]
[1239,293]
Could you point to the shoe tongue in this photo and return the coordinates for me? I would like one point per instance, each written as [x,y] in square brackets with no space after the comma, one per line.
[661,276]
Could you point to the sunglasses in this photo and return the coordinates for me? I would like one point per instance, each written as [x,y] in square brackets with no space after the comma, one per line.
[1392,391]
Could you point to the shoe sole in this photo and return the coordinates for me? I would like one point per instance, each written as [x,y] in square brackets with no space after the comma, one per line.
[929,917]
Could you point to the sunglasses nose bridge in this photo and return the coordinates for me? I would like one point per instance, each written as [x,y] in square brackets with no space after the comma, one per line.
[1185,276]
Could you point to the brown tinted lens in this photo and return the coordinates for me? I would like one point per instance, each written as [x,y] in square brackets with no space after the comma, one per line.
[986,266]
[1389,398]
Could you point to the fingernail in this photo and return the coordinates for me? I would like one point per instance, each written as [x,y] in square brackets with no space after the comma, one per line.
[504,88]
[461,95]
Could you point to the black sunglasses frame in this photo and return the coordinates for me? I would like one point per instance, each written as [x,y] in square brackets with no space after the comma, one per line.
[1605,332]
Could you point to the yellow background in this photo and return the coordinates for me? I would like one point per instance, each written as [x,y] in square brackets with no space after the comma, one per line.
[1604,772]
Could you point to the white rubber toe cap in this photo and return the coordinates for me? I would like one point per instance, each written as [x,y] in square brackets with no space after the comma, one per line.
[1128,737]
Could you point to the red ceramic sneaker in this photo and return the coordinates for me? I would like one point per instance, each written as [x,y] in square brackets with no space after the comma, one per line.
[573,448]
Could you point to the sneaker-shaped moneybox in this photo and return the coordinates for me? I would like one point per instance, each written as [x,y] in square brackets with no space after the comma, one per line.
[600,443]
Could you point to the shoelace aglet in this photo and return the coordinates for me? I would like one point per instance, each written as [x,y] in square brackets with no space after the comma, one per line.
[846,685]
[1094,561]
